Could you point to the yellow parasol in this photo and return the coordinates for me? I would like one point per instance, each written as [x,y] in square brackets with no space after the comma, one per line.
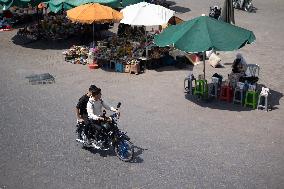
[93,13]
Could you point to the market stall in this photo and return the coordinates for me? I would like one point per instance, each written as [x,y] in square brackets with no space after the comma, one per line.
[50,28]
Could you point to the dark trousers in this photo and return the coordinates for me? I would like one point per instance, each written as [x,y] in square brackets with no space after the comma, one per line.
[94,129]
[82,126]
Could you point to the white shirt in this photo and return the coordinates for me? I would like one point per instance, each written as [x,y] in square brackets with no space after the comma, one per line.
[94,108]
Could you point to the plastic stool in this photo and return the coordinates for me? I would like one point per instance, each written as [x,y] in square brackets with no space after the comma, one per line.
[119,67]
[200,87]
[134,68]
[263,95]
[104,64]
[93,66]
[215,86]
[239,91]
[226,93]
[188,80]
[251,99]
[112,64]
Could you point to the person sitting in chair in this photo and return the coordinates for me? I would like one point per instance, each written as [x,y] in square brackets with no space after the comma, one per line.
[238,70]
[239,64]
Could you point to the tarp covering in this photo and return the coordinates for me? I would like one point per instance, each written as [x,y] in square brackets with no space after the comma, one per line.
[59,5]
[6,4]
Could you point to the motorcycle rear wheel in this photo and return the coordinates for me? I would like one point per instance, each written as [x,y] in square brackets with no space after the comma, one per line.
[124,150]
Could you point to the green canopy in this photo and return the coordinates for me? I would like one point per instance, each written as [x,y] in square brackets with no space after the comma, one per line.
[204,33]
[57,5]
[130,2]
[6,4]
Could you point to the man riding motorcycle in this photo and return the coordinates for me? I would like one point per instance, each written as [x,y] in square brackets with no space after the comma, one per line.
[95,114]
[81,110]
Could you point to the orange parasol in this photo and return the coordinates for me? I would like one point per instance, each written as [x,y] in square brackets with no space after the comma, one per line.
[93,13]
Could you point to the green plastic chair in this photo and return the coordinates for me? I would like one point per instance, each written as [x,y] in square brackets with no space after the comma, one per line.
[251,99]
[201,87]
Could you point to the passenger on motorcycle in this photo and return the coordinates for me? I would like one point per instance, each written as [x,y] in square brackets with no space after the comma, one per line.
[81,109]
[95,112]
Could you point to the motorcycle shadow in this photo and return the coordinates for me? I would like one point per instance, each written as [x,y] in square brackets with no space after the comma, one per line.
[104,153]
[136,156]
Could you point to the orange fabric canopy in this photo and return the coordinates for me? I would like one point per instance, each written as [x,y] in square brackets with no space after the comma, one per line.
[93,12]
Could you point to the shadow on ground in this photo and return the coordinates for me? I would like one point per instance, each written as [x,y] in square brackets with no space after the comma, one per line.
[45,44]
[188,67]
[273,98]
[179,9]
[171,3]
[254,10]
[216,104]
[104,153]
[59,44]
[137,152]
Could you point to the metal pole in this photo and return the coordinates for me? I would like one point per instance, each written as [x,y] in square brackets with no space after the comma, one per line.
[204,56]
[93,34]
[146,43]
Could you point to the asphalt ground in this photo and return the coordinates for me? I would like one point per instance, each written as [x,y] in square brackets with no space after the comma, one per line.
[180,142]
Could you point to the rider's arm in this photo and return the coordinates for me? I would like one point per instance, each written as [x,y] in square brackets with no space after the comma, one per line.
[78,114]
[90,111]
[79,106]
[106,106]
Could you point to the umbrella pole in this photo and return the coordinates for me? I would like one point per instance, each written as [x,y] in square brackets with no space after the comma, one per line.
[93,34]
[146,43]
[204,63]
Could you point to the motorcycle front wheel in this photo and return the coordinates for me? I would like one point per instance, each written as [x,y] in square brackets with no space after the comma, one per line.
[124,150]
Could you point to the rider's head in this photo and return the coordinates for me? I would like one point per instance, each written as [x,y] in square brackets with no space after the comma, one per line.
[92,88]
[97,93]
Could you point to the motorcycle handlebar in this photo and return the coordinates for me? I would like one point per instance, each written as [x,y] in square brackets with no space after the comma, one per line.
[118,105]
[112,116]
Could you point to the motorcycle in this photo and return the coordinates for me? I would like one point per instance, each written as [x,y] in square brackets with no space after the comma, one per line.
[243,4]
[112,137]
